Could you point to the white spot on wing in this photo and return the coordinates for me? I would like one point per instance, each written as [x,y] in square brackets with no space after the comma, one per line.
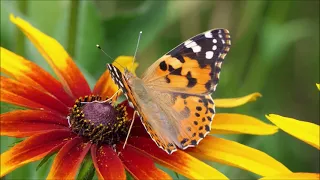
[191,44]
[209,54]
[208,34]
[214,41]
[223,42]
[214,47]
[196,49]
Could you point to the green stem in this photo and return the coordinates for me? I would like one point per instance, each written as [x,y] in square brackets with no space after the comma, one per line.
[73,27]
[20,40]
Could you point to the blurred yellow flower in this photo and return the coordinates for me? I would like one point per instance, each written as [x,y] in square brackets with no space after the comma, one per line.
[306,131]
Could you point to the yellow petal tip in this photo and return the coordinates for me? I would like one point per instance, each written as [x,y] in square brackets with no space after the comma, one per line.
[303,130]
[318,86]
[12,17]
[258,94]
[15,19]
[255,96]
[235,102]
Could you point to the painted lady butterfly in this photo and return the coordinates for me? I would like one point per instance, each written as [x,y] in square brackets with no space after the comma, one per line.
[173,96]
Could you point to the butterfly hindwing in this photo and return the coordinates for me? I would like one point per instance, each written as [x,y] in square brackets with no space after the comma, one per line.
[189,116]
[194,66]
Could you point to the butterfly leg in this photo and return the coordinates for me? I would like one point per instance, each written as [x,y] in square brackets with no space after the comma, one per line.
[132,121]
[110,99]
[107,100]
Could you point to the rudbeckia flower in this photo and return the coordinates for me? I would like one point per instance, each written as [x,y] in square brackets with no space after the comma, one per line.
[306,131]
[57,120]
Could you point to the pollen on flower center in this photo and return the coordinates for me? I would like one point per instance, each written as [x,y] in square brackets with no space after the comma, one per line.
[100,122]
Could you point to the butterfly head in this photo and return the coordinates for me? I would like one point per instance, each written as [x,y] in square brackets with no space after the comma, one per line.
[128,75]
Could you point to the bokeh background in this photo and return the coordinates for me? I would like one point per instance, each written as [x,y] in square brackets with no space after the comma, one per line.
[275,51]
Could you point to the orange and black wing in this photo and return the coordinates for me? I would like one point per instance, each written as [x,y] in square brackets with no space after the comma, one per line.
[193,67]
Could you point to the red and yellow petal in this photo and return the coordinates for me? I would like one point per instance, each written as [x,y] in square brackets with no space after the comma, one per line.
[29,73]
[238,155]
[23,123]
[62,64]
[68,159]
[32,149]
[140,166]
[17,93]
[227,123]
[305,131]
[105,86]
[107,163]
[235,102]
[291,176]
[179,161]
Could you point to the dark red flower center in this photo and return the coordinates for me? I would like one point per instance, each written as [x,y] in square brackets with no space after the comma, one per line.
[98,121]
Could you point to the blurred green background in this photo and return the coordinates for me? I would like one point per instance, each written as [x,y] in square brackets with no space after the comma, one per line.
[275,51]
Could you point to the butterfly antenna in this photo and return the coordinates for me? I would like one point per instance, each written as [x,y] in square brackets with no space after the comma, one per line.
[135,52]
[99,47]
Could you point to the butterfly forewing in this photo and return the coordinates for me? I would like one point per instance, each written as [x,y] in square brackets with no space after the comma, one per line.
[192,67]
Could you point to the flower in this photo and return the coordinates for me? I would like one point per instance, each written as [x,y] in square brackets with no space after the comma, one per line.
[57,121]
[303,130]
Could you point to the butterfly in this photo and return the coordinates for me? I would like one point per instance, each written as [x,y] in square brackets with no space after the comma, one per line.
[173,96]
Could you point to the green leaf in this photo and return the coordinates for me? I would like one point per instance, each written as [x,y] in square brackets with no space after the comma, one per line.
[129,176]
[151,18]
[89,32]
[6,107]
[11,38]
[87,169]
[124,40]
[177,175]
[170,172]
[44,161]
[17,141]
